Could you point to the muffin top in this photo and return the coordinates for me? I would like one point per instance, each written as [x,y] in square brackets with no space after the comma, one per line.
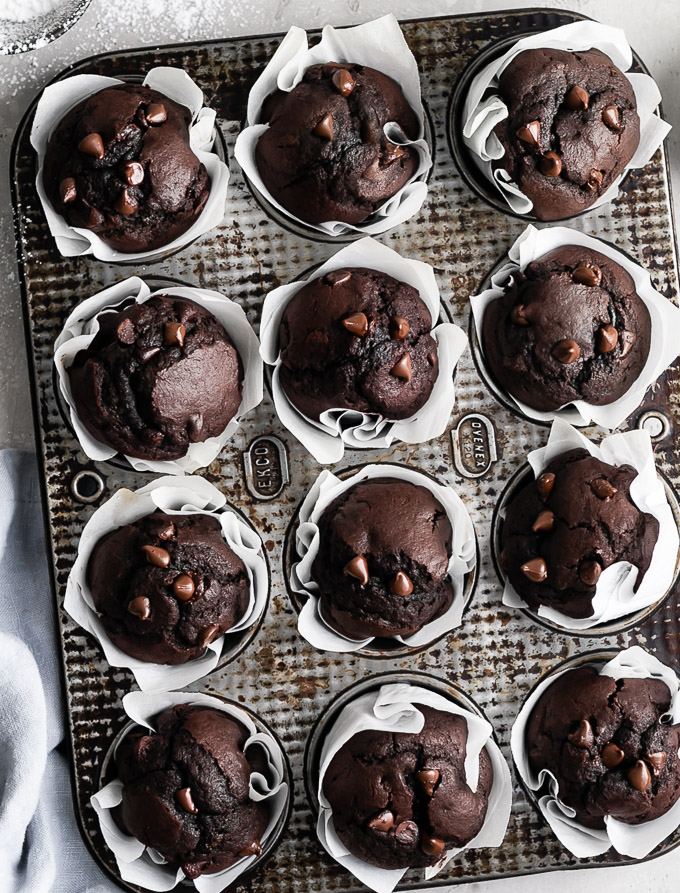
[382,564]
[120,164]
[357,339]
[167,585]
[186,790]
[156,378]
[570,327]
[572,128]
[401,800]
[603,741]
[563,529]
[324,155]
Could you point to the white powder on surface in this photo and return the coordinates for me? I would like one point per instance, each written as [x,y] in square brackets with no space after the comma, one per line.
[25,10]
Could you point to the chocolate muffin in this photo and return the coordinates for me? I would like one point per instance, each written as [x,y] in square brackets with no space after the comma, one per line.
[357,339]
[570,327]
[156,378]
[563,529]
[572,128]
[605,744]
[120,164]
[402,800]
[167,585]
[325,155]
[382,564]
[186,790]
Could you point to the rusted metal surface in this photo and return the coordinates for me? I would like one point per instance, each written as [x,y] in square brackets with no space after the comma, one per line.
[497,654]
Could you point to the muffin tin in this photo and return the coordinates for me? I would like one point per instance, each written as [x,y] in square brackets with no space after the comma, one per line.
[497,654]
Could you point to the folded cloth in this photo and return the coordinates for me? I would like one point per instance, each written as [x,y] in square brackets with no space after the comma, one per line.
[38,830]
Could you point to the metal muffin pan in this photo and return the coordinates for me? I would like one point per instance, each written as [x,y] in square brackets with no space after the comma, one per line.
[496,654]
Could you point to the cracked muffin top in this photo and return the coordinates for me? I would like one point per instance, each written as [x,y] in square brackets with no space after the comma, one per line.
[324,155]
[402,800]
[382,564]
[603,741]
[186,790]
[563,529]
[357,339]
[570,327]
[572,128]
[167,585]
[120,164]
[156,378]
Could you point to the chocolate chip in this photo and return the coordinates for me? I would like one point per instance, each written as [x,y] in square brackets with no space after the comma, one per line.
[133,172]
[428,778]
[612,755]
[149,353]
[399,327]
[126,203]
[535,569]
[357,568]
[370,130]
[140,607]
[627,341]
[252,849]
[657,761]
[174,333]
[183,587]
[67,190]
[577,99]
[156,556]
[611,118]
[544,483]
[566,351]
[583,735]
[356,324]
[391,153]
[594,181]
[401,585]
[406,833]
[431,846]
[167,532]
[195,427]
[602,488]
[432,358]
[587,274]
[383,821]
[589,571]
[544,522]
[324,128]
[343,81]
[517,315]
[639,776]
[186,801]
[530,133]
[207,635]
[93,145]
[155,113]
[402,368]
[607,338]
[550,164]
[125,332]
[337,277]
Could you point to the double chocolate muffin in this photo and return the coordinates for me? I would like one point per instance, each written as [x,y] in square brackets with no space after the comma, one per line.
[186,790]
[402,800]
[357,339]
[604,742]
[156,378]
[325,155]
[572,127]
[570,327]
[563,529]
[382,564]
[120,164]
[167,586]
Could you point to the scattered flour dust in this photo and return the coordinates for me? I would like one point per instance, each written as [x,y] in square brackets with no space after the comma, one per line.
[24,10]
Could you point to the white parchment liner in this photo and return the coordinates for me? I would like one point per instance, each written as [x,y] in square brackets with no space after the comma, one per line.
[326,439]
[311,625]
[379,44]
[173,495]
[614,596]
[664,315]
[138,864]
[81,327]
[636,841]
[481,114]
[393,709]
[59,98]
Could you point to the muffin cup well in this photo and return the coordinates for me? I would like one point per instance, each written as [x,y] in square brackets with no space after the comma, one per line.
[614,596]
[60,97]
[173,495]
[327,438]
[636,841]
[81,327]
[379,44]
[462,564]
[138,864]
[533,244]
[484,109]
[389,703]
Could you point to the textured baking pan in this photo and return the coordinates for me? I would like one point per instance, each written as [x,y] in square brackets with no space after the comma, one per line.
[496,655]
